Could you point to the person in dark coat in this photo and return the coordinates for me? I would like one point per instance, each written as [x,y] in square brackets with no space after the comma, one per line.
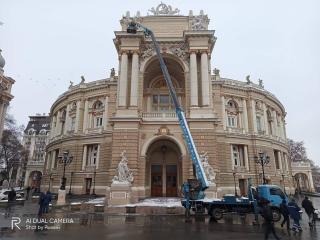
[47,200]
[11,199]
[294,212]
[41,204]
[308,207]
[266,213]
[28,192]
[285,213]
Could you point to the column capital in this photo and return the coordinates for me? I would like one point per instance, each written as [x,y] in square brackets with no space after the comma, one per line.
[136,51]
[202,51]
[124,52]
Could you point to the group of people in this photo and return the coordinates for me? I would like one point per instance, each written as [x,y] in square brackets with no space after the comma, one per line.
[44,201]
[288,210]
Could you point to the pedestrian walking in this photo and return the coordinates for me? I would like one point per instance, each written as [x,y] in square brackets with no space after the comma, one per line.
[47,200]
[308,207]
[266,213]
[11,199]
[285,213]
[294,212]
[41,204]
[28,192]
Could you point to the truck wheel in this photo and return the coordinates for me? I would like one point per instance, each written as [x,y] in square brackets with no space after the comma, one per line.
[217,213]
[276,215]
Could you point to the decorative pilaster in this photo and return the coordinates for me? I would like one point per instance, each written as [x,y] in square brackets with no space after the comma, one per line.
[58,124]
[193,79]
[275,124]
[105,114]
[245,115]
[78,116]
[67,121]
[134,79]
[265,118]
[205,79]
[254,116]
[223,106]
[246,157]
[123,83]
[85,115]
[280,160]
[84,156]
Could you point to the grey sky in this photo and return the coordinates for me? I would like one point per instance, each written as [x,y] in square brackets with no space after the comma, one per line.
[46,44]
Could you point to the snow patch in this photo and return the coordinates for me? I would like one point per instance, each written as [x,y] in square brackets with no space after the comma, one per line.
[100,200]
[156,202]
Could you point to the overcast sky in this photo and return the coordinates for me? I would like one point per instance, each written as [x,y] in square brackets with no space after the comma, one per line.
[47,43]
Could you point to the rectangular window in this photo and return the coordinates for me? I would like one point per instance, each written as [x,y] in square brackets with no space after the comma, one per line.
[276,159]
[98,121]
[259,126]
[161,103]
[232,121]
[73,124]
[92,155]
[238,155]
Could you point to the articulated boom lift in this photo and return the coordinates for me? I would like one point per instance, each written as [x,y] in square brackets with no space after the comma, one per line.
[193,189]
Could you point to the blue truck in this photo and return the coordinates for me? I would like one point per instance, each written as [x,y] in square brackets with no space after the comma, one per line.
[194,189]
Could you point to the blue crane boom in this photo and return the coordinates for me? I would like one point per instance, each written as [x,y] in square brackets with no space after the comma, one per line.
[201,176]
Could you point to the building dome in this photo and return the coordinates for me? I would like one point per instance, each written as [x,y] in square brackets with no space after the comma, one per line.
[2,61]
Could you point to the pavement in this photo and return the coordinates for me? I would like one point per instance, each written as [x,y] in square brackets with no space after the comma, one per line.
[80,225]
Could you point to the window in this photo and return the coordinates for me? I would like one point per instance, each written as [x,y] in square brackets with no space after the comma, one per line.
[277,192]
[238,155]
[92,155]
[161,103]
[73,123]
[276,159]
[259,126]
[98,122]
[232,121]
[97,105]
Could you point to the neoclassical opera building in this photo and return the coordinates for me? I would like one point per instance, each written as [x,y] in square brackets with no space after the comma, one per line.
[129,116]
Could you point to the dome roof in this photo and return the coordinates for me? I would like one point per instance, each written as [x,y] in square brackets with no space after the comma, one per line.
[2,61]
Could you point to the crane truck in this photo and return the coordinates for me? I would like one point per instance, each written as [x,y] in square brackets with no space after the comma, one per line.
[193,190]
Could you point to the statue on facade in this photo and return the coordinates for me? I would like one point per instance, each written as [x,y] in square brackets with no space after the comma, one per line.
[112,73]
[124,174]
[164,9]
[82,80]
[208,169]
[261,83]
[71,84]
[199,22]
[248,79]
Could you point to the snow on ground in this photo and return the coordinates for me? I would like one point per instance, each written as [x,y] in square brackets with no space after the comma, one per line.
[100,200]
[157,202]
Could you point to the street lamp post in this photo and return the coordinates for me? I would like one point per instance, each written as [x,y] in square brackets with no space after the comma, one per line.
[71,174]
[235,185]
[64,159]
[284,186]
[262,159]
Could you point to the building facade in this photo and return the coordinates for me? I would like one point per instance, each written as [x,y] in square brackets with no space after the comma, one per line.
[5,93]
[132,114]
[35,139]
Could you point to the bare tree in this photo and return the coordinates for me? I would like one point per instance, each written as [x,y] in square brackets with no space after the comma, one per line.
[297,151]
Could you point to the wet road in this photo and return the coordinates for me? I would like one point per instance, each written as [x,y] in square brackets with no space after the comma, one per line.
[102,226]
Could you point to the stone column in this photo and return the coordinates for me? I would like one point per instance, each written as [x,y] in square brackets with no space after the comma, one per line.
[193,79]
[105,114]
[205,79]
[224,121]
[134,79]
[53,157]
[84,156]
[246,157]
[245,115]
[280,160]
[85,115]
[98,157]
[265,119]
[53,128]
[67,121]
[281,133]
[275,124]
[311,182]
[254,117]
[123,82]
[58,124]
[78,117]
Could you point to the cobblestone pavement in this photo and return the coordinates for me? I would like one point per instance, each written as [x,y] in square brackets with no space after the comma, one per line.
[101,226]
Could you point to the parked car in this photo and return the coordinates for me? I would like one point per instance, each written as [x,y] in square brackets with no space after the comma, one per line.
[4,194]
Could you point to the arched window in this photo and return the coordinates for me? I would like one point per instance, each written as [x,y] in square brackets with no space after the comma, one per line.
[232,114]
[31,131]
[97,114]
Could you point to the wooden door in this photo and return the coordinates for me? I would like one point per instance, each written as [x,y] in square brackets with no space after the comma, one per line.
[171,181]
[243,187]
[88,185]
[156,180]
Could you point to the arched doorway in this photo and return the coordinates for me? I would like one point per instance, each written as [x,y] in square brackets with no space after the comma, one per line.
[35,179]
[164,168]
